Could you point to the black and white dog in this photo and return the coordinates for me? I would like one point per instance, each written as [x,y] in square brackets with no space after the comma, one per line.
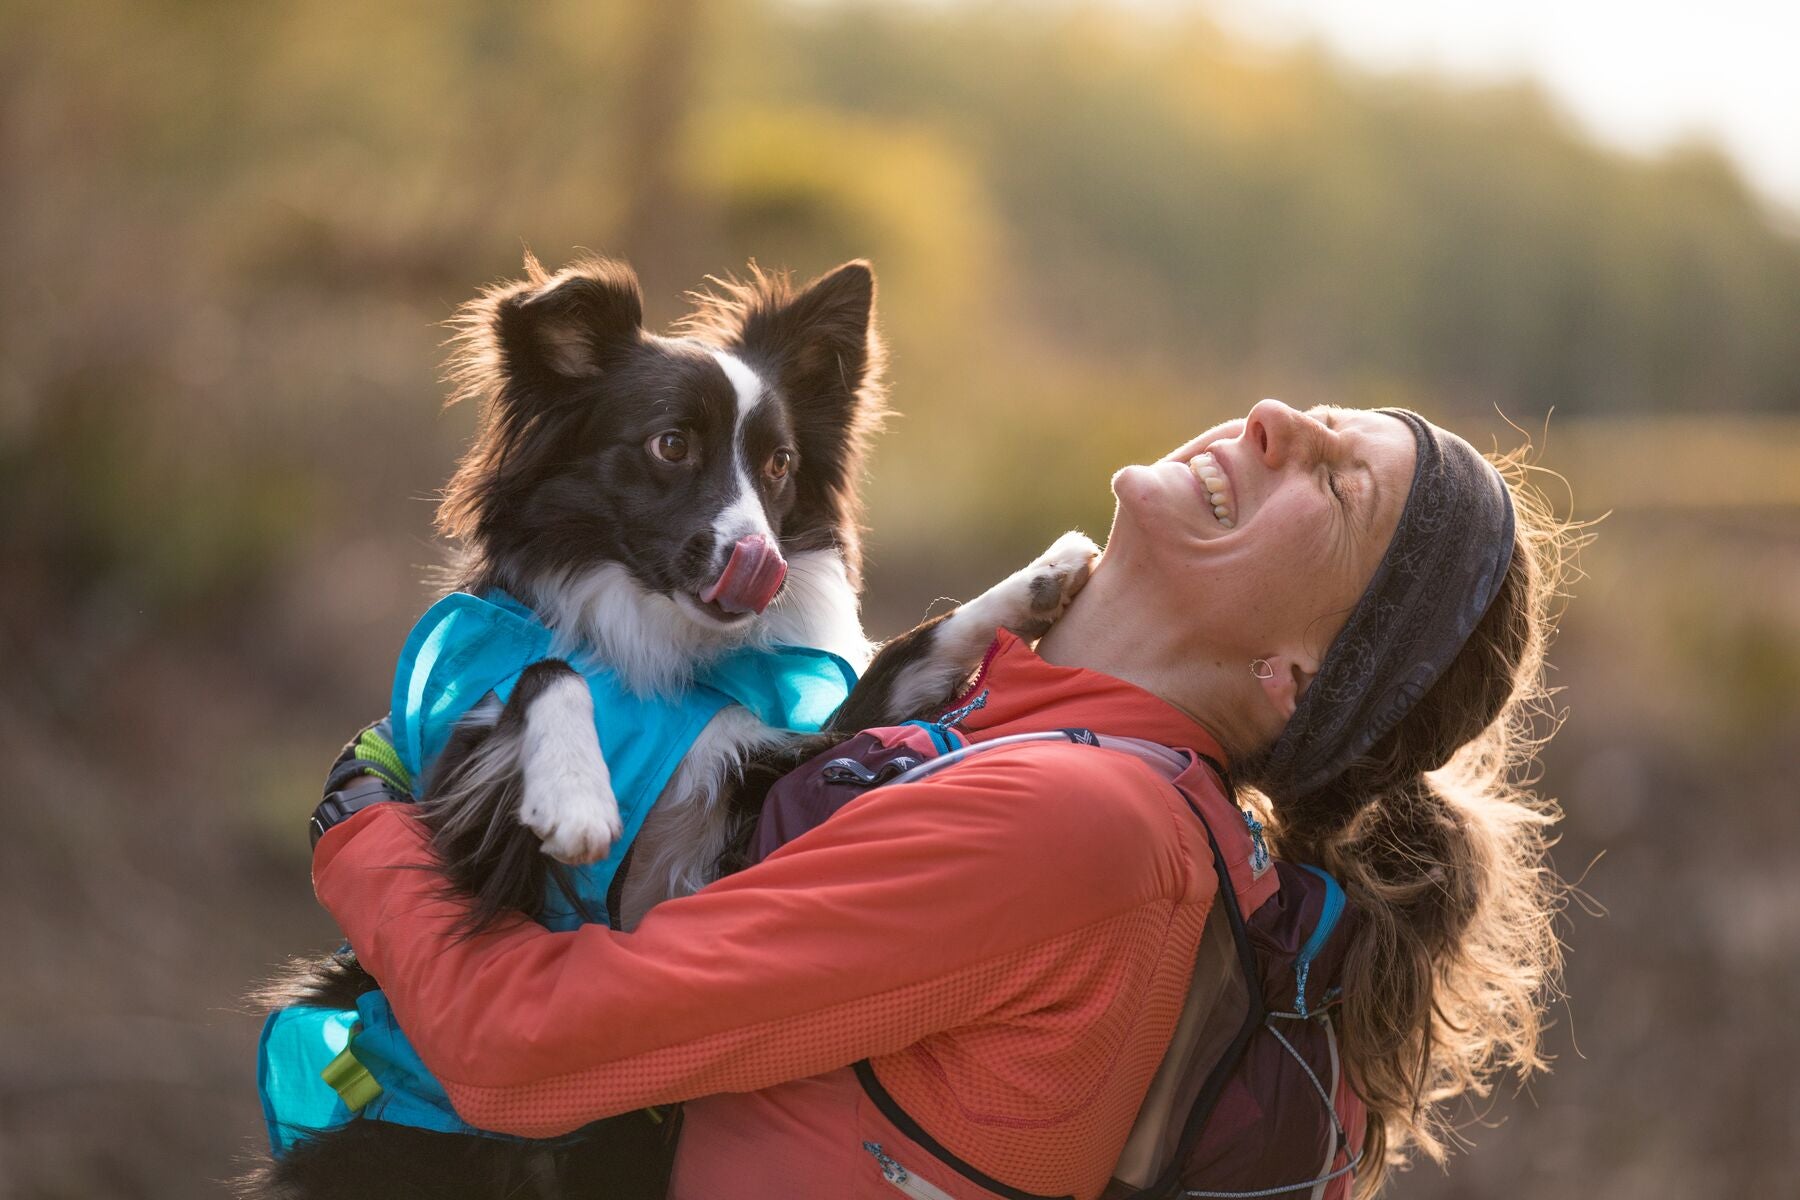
[658,501]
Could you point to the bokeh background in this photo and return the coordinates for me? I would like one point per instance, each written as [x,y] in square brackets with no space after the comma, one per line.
[228,234]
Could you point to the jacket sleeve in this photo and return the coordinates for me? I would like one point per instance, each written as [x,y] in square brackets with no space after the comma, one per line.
[914,910]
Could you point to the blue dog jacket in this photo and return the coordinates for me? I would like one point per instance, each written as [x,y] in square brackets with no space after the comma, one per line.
[463,649]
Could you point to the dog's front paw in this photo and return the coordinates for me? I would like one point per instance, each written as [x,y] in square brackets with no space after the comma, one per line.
[579,838]
[1031,600]
[568,798]
[1060,573]
[573,814]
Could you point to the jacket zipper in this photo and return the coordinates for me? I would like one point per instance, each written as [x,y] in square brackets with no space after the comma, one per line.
[968,693]
[903,1179]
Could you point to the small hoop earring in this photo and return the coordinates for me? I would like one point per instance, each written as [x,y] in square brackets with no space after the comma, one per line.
[1260,668]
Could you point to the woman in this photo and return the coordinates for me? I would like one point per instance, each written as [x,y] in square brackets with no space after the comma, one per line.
[1336,603]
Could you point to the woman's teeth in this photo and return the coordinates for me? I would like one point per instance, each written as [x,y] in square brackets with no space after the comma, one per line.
[1206,470]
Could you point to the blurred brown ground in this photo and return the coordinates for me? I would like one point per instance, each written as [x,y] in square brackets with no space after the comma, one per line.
[228,233]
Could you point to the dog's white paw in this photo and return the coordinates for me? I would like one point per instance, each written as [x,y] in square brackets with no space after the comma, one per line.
[573,813]
[1029,601]
[1060,572]
[568,798]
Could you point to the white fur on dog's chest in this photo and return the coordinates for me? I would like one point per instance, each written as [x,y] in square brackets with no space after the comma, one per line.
[645,637]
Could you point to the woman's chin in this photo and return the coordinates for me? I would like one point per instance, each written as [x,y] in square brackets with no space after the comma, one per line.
[1143,483]
[1163,496]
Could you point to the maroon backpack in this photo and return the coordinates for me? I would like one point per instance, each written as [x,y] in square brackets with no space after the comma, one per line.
[1252,1099]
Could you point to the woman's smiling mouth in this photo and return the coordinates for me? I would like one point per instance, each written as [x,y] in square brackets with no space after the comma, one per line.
[1212,481]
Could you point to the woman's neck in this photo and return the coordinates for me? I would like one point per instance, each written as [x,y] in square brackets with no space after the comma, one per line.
[1093,631]
[1115,628]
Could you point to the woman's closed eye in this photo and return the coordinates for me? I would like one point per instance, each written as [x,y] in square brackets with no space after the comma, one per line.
[1334,479]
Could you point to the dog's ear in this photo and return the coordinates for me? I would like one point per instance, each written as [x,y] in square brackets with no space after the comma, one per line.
[517,342]
[820,340]
[566,326]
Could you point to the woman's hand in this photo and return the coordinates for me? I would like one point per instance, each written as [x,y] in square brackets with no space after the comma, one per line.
[366,771]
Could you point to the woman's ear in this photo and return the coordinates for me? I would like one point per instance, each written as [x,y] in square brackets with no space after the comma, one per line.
[1283,680]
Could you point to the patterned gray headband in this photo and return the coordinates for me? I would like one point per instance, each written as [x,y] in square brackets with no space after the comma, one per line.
[1439,576]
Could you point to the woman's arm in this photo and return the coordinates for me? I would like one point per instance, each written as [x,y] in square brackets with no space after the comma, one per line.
[979,895]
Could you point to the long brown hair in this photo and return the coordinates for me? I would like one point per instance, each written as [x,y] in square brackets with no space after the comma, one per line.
[1442,845]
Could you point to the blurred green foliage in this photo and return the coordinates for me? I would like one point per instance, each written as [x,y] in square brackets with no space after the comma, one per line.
[229,234]
[231,228]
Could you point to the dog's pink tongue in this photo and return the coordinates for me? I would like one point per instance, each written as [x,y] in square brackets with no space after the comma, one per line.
[751,579]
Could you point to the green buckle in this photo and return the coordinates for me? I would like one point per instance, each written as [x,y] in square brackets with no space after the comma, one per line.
[349,1078]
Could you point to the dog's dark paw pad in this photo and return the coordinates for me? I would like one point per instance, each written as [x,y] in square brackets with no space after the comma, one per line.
[1046,593]
[1061,572]
[1030,600]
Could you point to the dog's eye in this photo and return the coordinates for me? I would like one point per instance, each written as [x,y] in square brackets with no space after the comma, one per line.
[780,463]
[671,446]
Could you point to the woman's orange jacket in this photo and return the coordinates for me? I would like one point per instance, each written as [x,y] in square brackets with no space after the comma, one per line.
[1000,950]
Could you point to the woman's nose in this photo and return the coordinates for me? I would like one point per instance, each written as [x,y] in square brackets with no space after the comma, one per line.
[1275,431]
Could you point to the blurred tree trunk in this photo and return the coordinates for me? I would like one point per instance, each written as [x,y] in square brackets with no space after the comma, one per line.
[658,94]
